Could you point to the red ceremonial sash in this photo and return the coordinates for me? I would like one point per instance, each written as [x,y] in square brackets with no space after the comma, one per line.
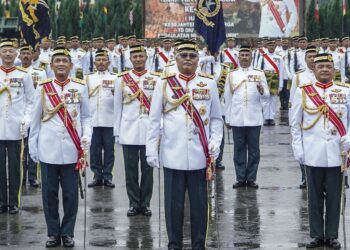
[134,87]
[332,116]
[273,64]
[197,120]
[235,64]
[163,56]
[55,100]
[276,15]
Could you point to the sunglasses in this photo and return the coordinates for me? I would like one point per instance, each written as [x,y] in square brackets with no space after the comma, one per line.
[186,55]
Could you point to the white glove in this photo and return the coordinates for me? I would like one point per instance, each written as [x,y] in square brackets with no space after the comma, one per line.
[24,128]
[214,150]
[287,32]
[299,155]
[117,139]
[153,161]
[344,144]
[85,143]
[34,157]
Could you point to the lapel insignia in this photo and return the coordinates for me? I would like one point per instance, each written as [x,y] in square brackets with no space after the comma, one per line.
[336,90]
[202,110]
[201,84]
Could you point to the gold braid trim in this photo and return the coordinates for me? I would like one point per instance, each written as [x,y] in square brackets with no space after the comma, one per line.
[94,91]
[322,110]
[176,103]
[233,89]
[8,90]
[49,113]
[127,98]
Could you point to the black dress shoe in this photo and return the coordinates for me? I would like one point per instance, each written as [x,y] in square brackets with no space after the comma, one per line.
[302,185]
[219,166]
[3,209]
[252,184]
[132,211]
[109,183]
[146,211]
[333,243]
[315,243]
[68,241]
[95,183]
[272,122]
[266,122]
[34,184]
[13,210]
[238,184]
[53,241]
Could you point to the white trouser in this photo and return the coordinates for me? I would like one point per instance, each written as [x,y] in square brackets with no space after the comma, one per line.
[269,107]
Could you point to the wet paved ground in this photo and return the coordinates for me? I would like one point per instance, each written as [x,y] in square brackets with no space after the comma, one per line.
[272,217]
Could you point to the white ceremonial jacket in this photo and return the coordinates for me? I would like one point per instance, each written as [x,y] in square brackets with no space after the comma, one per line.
[101,95]
[243,106]
[16,101]
[131,118]
[50,139]
[180,146]
[320,143]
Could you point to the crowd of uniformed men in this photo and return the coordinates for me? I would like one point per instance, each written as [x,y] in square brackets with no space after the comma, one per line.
[166,102]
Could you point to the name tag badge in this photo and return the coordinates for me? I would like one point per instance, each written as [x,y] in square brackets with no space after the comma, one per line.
[339,98]
[107,84]
[149,84]
[201,94]
[253,78]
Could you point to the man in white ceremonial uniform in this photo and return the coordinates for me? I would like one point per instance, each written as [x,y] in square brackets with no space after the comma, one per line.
[320,117]
[133,94]
[300,78]
[273,66]
[77,54]
[101,94]
[278,17]
[114,57]
[337,57]
[345,60]
[16,101]
[229,55]
[188,105]
[59,139]
[162,56]
[244,91]
[38,74]
[287,77]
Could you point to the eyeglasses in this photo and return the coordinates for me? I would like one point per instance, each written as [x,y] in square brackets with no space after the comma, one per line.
[186,55]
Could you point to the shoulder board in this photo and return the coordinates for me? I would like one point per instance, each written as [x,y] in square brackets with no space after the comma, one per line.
[300,71]
[45,81]
[44,62]
[112,73]
[258,69]
[343,84]
[224,65]
[77,80]
[80,49]
[123,73]
[156,74]
[21,69]
[38,68]
[170,64]
[206,75]
[290,49]
[168,75]
[305,84]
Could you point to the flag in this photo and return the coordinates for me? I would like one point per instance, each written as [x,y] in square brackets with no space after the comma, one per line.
[317,13]
[34,22]
[105,10]
[344,7]
[209,23]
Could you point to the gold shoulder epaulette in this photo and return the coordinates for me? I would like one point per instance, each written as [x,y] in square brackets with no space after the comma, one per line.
[123,73]
[112,73]
[45,81]
[38,68]
[77,80]
[343,84]
[258,69]
[170,64]
[168,75]
[153,73]
[225,65]
[206,75]
[302,70]
[305,84]
[21,69]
